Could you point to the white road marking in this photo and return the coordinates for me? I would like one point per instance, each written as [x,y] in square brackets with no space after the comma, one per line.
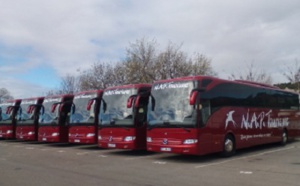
[259,154]
[160,162]
[141,157]
[246,172]
[44,149]
[81,153]
[61,151]
[30,148]
[102,156]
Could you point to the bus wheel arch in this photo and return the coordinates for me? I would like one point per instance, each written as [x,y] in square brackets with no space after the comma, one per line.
[229,145]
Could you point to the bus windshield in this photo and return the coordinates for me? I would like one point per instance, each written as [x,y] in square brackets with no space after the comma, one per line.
[79,112]
[169,105]
[4,117]
[23,116]
[114,109]
[48,117]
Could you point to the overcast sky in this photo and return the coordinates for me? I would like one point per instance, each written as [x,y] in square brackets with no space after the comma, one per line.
[41,41]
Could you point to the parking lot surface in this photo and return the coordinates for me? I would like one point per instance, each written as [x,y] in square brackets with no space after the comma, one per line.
[32,163]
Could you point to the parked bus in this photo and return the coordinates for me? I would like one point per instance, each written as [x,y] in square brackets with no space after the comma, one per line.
[8,112]
[28,118]
[55,114]
[123,116]
[84,117]
[200,115]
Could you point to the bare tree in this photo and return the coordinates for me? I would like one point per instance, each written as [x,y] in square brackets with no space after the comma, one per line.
[253,74]
[5,95]
[144,63]
[140,61]
[292,73]
[171,63]
[69,85]
[201,65]
[100,76]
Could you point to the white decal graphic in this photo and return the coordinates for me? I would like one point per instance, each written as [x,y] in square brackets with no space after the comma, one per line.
[171,85]
[230,119]
[117,92]
[257,121]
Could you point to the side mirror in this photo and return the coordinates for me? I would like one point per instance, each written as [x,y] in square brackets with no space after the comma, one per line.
[53,107]
[30,109]
[9,109]
[130,101]
[89,104]
[193,97]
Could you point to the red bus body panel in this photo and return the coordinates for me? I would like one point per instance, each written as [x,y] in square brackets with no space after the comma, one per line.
[7,131]
[115,138]
[53,134]
[79,134]
[26,133]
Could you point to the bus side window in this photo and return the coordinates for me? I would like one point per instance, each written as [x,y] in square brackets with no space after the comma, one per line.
[205,111]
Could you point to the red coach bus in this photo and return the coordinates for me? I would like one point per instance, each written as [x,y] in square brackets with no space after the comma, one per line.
[54,118]
[8,112]
[28,118]
[123,116]
[84,117]
[200,115]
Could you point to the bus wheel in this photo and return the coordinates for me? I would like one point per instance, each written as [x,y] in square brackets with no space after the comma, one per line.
[228,146]
[284,138]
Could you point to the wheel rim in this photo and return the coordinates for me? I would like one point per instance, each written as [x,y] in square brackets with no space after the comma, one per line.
[228,145]
[284,137]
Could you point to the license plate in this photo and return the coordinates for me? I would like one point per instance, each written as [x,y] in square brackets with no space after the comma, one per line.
[111,145]
[44,139]
[21,137]
[1,135]
[166,149]
[76,140]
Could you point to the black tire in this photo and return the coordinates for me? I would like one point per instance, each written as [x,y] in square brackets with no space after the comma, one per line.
[228,146]
[284,138]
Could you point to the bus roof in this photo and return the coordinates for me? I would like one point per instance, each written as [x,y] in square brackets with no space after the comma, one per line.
[219,80]
[89,92]
[129,86]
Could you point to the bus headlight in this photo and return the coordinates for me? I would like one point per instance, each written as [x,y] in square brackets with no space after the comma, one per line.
[55,134]
[31,133]
[190,141]
[90,135]
[9,132]
[99,137]
[129,138]
[149,139]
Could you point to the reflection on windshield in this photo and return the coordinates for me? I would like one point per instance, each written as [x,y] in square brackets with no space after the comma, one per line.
[170,102]
[116,112]
[79,112]
[46,116]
